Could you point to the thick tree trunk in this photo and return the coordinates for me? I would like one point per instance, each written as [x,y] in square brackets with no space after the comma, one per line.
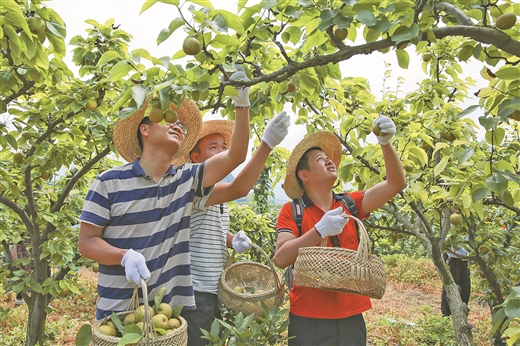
[459,314]
[37,316]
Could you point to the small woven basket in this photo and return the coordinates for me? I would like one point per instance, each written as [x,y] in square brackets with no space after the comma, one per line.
[342,270]
[175,337]
[266,282]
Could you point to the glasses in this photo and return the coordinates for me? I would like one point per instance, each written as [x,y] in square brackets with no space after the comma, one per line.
[181,126]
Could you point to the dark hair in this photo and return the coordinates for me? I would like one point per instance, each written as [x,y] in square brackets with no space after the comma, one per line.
[145,121]
[303,164]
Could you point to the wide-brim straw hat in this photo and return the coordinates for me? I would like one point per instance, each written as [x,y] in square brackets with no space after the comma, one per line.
[222,127]
[328,142]
[125,131]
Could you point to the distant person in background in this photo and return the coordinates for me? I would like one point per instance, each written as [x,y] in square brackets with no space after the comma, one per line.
[461,275]
[20,251]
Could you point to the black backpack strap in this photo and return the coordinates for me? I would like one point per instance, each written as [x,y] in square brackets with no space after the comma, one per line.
[349,203]
[297,211]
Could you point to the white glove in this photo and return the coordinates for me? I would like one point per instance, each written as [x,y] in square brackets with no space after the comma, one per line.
[276,130]
[135,267]
[331,223]
[387,127]
[242,100]
[241,242]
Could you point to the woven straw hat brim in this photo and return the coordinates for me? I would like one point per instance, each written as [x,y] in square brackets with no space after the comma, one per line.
[222,127]
[125,131]
[329,144]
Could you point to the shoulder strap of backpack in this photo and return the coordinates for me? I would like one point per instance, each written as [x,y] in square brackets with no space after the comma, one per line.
[297,211]
[349,203]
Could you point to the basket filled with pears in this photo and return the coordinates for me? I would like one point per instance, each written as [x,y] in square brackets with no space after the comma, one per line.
[142,324]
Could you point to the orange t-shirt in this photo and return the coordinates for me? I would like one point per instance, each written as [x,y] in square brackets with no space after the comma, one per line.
[314,302]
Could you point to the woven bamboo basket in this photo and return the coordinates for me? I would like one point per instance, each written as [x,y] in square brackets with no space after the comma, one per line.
[175,337]
[342,270]
[263,281]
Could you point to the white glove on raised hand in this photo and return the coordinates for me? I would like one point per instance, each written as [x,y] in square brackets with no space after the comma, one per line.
[241,242]
[276,130]
[387,129]
[242,100]
[135,267]
[331,223]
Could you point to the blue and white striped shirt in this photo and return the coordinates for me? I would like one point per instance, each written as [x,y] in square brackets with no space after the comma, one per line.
[152,218]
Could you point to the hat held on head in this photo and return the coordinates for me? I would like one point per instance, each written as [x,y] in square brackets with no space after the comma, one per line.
[328,142]
[125,131]
[222,127]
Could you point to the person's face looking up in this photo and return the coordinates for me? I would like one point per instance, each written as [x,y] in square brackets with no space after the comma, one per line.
[208,146]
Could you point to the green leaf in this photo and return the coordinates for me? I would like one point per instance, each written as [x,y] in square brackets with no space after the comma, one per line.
[122,100]
[84,335]
[203,3]
[177,310]
[147,4]
[441,165]
[488,123]
[232,20]
[17,19]
[366,17]
[107,56]
[57,29]
[404,33]
[120,70]
[225,40]
[507,198]
[14,41]
[419,154]
[496,183]
[58,44]
[496,136]
[129,339]
[36,287]
[512,308]
[508,73]
[139,93]
[466,53]
[466,155]
[11,141]
[131,328]
[467,111]
[403,58]
[165,33]
[159,296]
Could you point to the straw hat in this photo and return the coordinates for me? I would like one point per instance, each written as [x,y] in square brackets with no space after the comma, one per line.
[329,144]
[125,131]
[222,127]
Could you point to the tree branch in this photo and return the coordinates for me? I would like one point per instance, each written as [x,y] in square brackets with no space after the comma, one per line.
[454,11]
[486,35]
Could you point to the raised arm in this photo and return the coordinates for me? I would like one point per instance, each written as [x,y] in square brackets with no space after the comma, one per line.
[219,166]
[395,182]
[274,133]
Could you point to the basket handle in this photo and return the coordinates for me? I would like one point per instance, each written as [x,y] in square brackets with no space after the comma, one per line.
[277,282]
[364,247]
[149,330]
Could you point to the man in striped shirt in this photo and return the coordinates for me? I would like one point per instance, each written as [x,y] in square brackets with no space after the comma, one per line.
[209,234]
[136,218]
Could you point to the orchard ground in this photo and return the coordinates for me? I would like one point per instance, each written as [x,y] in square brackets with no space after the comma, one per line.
[408,314]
